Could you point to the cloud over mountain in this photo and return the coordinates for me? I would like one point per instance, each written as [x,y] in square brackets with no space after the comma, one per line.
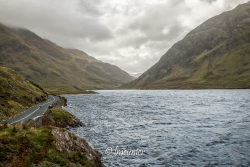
[131,34]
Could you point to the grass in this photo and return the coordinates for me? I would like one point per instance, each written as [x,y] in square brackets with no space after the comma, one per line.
[35,147]
[61,115]
[63,118]
[17,93]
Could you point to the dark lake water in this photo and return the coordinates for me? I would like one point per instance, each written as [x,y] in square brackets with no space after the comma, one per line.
[170,127]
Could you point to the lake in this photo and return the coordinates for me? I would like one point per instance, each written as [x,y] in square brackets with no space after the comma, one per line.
[166,127]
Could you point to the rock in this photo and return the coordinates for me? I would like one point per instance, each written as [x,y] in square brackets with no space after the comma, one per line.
[68,142]
[61,102]
[44,120]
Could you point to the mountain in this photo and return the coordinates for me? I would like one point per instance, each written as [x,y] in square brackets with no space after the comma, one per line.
[216,54]
[136,75]
[54,68]
[17,93]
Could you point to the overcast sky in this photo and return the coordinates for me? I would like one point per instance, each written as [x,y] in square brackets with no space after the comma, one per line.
[132,34]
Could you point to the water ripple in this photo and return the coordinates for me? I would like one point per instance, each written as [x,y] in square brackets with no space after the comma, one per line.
[174,127]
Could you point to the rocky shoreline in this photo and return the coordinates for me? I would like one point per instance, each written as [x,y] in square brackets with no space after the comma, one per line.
[71,148]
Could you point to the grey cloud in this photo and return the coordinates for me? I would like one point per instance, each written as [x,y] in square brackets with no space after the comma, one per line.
[210,1]
[160,17]
[90,8]
[42,16]
[131,34]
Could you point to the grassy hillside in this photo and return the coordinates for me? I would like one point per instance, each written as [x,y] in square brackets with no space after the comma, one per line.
[54,68]
[42,141]
[17,93]
[216,54]
[44,146]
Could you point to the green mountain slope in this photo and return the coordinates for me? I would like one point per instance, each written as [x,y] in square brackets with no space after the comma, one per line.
[17,93]
[216,54]
[53,67]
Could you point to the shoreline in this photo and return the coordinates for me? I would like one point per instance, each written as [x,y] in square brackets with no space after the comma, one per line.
[54,124]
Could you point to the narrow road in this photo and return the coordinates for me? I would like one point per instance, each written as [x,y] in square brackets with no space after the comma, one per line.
[34,111]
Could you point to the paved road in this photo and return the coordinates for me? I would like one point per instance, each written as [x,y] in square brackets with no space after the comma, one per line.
[34,111]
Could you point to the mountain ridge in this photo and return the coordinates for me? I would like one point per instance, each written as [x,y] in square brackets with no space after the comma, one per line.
[213,55]
[54,68]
